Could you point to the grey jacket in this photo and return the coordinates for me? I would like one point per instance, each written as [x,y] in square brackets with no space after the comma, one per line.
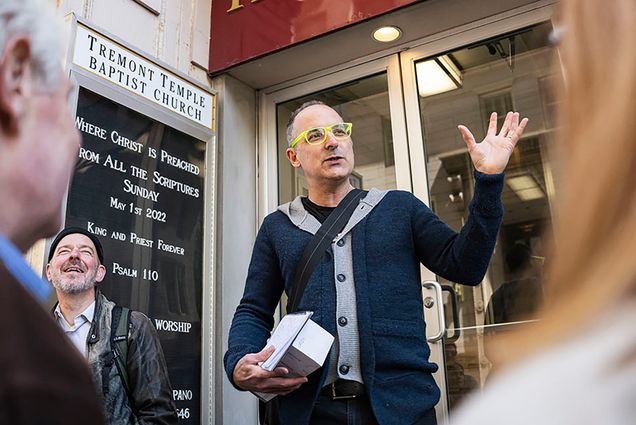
[147,372]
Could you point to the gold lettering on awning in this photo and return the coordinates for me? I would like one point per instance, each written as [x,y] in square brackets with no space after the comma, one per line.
[236,5]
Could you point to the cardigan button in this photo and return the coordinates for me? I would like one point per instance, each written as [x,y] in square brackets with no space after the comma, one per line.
[344,369]
[342,321]
[341,277]
[340,242]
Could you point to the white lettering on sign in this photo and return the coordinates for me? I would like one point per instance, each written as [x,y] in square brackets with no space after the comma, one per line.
[123,271]
[174,185]
[118,236]
[138,240]
[139,172]
[170,248]
[116,203]
[172,326]
[111,61]
[129,187]
[96,230]
[90,129]
[115,164]
[125,142]
[181,395]
[88,155]
[179,163]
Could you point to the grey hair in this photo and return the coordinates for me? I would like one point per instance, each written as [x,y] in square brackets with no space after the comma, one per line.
[292,118]
[36,20]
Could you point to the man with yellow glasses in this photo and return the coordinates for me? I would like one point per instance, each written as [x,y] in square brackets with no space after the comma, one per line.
[366,288]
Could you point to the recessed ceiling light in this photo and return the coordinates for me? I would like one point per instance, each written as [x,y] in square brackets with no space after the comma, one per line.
[437,75]
[525,187]
[387,34]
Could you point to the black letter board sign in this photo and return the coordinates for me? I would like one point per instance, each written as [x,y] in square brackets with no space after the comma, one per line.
[138,185]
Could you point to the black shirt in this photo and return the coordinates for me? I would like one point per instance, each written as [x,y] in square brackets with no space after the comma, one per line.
[321,213]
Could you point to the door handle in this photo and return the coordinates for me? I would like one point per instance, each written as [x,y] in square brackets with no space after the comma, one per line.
[453,298]
[430,303]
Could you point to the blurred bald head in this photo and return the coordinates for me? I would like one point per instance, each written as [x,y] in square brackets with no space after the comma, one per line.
[38,142]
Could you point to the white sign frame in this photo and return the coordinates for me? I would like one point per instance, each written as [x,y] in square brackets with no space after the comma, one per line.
[119,65]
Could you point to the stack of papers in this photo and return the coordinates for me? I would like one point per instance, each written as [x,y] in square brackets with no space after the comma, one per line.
[301,347]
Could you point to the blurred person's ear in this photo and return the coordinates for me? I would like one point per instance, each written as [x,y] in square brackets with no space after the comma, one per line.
[15,82]
[47,271]
[101,273]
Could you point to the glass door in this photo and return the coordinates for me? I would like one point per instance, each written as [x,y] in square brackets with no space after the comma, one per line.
[507,65]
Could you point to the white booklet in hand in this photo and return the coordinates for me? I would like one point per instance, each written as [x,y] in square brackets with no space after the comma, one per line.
[301,346]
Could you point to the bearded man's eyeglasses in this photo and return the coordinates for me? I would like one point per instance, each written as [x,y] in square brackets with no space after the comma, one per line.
[317,135]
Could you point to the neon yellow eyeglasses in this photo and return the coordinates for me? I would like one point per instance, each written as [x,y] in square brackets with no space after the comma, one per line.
[317,135]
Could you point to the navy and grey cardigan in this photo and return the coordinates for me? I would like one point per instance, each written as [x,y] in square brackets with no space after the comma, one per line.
[388,245]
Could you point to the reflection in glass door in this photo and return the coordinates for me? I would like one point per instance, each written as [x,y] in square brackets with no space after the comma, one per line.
[512,71]
[363,102]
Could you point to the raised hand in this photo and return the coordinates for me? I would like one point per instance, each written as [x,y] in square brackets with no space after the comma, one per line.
[492,154]
[248,375]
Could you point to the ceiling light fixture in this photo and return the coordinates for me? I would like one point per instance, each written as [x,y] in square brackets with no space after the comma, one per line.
[387,34]
[525,187]
[437,76]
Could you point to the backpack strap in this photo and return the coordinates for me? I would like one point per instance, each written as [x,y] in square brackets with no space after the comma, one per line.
[120,322]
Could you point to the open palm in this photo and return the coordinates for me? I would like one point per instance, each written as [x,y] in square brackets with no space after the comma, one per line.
[492,154]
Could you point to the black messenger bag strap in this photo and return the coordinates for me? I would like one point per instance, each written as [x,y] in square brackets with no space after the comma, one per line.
[316,247]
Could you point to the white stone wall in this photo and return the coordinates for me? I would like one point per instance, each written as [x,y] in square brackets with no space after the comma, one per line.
[176,32]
